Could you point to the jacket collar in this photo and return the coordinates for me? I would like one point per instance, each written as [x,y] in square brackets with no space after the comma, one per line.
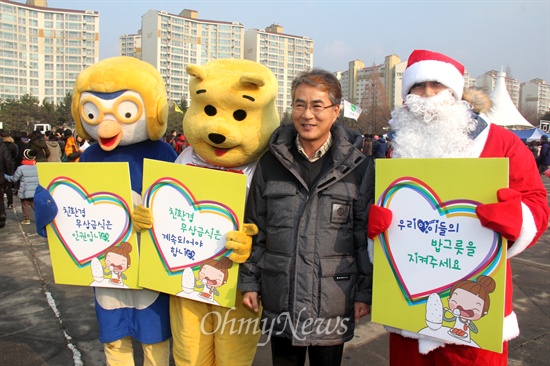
[343,154]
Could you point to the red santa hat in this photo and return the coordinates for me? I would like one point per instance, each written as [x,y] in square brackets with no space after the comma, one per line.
[432,66]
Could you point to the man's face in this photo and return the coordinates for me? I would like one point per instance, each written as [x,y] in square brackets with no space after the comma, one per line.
[312,119]
[427,89]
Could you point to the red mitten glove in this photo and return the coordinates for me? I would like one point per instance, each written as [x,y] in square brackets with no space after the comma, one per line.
[504,217]
[379,220]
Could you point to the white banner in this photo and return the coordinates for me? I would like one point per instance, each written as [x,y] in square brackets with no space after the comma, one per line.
[351,111]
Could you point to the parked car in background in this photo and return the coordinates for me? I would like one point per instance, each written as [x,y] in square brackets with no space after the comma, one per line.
[42,127]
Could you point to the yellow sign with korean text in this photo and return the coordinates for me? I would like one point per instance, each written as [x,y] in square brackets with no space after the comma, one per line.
[91,239]
[437,271]
[184,253]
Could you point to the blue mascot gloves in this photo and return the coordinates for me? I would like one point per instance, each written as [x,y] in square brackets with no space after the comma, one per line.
[45,209]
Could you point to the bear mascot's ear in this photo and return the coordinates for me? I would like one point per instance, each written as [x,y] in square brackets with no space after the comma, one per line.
[252,79]
[196,71]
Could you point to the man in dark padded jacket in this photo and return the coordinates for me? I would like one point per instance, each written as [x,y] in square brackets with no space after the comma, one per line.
[309,198]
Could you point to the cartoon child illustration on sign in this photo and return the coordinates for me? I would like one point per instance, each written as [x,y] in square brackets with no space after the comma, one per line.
[468,301]
[213,274]
[117,260]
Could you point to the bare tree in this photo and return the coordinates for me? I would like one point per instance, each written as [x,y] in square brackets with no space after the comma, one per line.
[509,72]
[175,118]
[374,104]
[530,114]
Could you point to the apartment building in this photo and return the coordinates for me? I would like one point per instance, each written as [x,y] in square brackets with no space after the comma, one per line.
[284,54]
[42,49]
[356,81]
[130,45]
[535,95]
[359,82]
[170,42]
[487,81]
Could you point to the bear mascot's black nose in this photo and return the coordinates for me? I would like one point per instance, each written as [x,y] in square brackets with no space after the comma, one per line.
[216,138]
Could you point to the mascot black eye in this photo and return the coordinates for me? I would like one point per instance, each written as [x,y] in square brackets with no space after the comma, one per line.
[239,115]
[128,111]
[210,110]
[89,112]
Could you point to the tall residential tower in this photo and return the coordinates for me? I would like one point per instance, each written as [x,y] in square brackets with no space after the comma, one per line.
[42,50]
[284,54]
[171,42]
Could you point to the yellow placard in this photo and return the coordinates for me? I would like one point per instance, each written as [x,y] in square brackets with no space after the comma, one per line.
[431,263]
[91,239]
[184,252]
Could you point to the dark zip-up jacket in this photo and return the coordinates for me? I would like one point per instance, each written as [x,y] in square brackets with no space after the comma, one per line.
[309,261]
[6,162]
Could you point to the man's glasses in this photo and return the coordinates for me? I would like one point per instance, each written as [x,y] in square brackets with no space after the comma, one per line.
[316,108]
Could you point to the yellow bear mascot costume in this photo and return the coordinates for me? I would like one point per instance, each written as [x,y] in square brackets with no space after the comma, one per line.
[231,116]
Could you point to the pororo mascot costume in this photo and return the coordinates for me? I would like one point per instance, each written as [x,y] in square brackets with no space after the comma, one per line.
[231,117]
[121,103]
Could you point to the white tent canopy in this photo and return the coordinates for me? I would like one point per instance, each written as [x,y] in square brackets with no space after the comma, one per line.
[504,112]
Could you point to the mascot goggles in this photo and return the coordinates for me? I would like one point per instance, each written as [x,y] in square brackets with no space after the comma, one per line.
[126,109]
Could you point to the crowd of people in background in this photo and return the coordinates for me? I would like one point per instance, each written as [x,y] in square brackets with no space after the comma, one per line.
[377,147]
[177,140]
[19,153]
[19,148]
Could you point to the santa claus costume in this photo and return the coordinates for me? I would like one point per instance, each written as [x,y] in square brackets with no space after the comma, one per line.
[521,214]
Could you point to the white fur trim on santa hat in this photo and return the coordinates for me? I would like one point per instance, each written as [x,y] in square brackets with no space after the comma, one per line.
[432,70]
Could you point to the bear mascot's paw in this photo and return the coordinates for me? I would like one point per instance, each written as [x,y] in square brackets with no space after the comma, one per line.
[240,242]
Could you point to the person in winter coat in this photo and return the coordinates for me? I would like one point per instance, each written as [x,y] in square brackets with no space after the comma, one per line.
[181,143]
[367,145]
[38,144]
[53,146]
[27,174]
[72,150]
[21,146]
[309,198]
[543,160]
[380,148]
[6,167]
[14,151]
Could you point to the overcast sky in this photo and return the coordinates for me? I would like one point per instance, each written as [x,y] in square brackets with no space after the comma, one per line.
[482,35]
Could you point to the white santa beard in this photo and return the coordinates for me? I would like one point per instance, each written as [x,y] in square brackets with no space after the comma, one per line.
[435,127]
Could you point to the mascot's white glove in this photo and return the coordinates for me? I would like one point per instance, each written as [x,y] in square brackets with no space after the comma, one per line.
[240,242]
[142,218]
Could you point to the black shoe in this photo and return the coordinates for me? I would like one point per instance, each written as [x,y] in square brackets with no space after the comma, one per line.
[2,221]
[10,205]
